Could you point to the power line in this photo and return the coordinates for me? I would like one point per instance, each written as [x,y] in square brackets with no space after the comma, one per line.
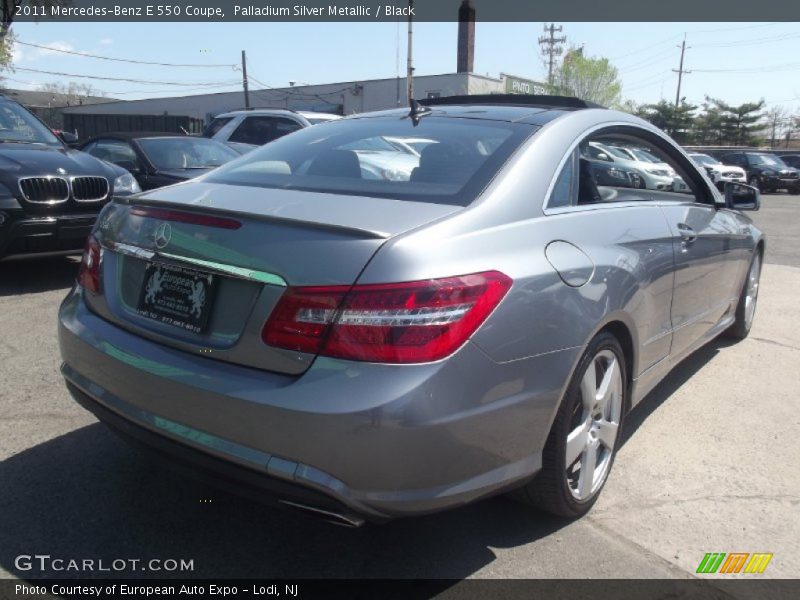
[124,60]
[761,69]
[648,47]
[757,25]
[657,58]
[143,81]
[649,82]
[110,94]
[720,44]
[299,92]
[753,42]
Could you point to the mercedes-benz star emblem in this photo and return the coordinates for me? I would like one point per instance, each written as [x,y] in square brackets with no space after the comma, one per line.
[61,171]
[162,235]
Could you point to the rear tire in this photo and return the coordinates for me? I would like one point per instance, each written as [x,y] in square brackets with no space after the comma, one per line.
[582,443]
[748,300]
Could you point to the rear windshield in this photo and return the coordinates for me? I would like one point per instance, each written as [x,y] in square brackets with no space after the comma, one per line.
[354,157]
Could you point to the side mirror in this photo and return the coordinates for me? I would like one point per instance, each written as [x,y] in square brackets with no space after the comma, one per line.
[68,137]
[603,156]
[739,196]
[129,165]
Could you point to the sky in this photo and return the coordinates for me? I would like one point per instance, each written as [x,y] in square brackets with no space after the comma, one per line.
[737,62]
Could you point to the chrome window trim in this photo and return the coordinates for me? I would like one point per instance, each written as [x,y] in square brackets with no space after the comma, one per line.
[605,205]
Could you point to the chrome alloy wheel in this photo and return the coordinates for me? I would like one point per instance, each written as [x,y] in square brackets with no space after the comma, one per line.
[593,426]
[751,294]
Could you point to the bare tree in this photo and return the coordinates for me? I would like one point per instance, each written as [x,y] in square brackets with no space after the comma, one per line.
[70,94]
[8,11]
[777,122]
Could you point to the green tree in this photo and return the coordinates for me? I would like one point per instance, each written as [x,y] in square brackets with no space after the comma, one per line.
[737,124]
[593,79]
[708,126]
[677,121]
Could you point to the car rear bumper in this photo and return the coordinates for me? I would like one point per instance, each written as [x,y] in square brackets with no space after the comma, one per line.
[232,477]
[376,441]
[44,235]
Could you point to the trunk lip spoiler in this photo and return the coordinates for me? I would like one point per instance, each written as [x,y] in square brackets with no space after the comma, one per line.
[362,232]
[213,266]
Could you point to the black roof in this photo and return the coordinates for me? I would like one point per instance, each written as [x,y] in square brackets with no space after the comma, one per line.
[536,100]
[516,108]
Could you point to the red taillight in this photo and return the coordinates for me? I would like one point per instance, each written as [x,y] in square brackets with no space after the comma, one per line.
[89,271]
[185,217]
[413,322]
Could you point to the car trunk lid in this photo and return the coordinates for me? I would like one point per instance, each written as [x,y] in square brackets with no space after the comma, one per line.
[243,246]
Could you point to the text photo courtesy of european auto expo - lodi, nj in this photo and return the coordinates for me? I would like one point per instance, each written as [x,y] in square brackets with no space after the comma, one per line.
[444,299]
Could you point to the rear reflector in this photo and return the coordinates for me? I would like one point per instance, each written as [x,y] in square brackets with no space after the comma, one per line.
[419,321]
[89,271]
[185,217]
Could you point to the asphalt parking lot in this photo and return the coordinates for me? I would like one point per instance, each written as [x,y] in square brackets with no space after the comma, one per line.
[709,464]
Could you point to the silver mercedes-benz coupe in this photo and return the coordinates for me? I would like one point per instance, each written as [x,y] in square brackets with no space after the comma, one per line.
[366,344]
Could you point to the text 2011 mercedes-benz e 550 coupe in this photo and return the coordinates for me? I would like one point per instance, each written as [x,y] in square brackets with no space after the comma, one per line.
[368,348]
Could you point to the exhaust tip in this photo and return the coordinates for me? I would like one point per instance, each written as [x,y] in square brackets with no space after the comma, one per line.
[336,518]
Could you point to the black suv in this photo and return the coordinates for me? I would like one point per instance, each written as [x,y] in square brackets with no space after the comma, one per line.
[49,194]
[765,171]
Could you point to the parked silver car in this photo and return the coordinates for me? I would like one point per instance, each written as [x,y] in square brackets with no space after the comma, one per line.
[373,348]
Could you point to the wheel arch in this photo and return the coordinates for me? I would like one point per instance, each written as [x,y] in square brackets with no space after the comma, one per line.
[620,325]
[622,332]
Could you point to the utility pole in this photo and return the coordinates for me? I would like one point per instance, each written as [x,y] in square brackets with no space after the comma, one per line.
[244,81]
[397,59]
[410,64]
[552,48]
[680,71]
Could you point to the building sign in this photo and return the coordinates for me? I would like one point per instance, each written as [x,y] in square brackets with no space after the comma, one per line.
[519,85]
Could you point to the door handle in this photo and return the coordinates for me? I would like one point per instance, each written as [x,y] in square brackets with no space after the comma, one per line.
[687,233]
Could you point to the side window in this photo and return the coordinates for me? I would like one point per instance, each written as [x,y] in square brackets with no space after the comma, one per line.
[260,130]
[284,126]
[734,159]
[216,124]
[113,151]
[563,190]
[644,168]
